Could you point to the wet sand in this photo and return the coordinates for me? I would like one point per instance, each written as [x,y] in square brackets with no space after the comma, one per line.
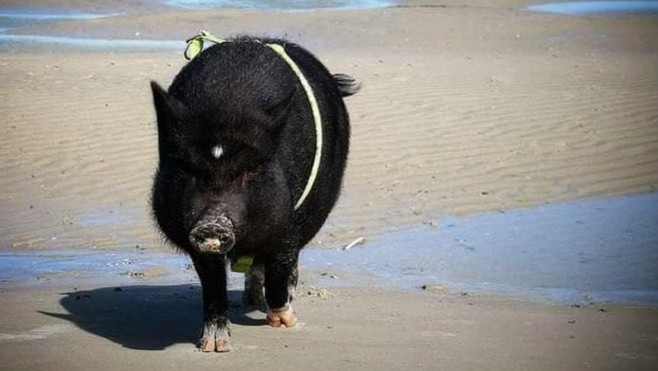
[525,109]
[470,108]
[153,327]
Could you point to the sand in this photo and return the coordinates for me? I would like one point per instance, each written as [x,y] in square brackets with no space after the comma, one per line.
[466,108]
[154,327]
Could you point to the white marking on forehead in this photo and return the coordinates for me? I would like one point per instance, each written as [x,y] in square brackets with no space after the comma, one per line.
[217,151]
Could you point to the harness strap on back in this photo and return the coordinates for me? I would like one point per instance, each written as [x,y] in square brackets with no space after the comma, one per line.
[195,47]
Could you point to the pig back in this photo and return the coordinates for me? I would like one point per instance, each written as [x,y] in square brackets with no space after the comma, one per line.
[243,79]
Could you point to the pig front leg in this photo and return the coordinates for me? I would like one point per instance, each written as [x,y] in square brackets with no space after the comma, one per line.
[280,286]
[211,269]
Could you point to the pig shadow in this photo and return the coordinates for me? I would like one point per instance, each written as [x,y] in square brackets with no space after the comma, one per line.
[147,317]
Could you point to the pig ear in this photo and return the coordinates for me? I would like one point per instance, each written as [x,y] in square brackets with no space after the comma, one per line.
[166,107]
[169,112]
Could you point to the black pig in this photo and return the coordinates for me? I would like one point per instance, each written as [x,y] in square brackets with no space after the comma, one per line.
[237,143]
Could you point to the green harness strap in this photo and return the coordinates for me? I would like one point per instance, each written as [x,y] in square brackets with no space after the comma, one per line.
[195,47]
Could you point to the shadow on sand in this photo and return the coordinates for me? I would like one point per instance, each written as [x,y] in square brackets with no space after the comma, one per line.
[147,317]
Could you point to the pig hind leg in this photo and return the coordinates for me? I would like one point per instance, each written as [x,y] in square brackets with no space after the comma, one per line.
[254,285]
[280,285]
[211,269]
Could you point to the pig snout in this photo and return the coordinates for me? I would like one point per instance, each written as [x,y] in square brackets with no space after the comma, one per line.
[213,235]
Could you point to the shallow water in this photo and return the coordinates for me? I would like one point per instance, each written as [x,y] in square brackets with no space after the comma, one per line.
[35,14]
[599,8]
[596,250]
[23,17]
[22,43]
[280,5]
[576,252]
[13,18]
[29,268]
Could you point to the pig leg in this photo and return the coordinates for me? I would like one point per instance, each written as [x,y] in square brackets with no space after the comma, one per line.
[280,285]
[254,285]
[211,269]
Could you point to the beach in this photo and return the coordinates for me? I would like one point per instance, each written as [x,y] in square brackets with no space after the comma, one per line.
[467,108]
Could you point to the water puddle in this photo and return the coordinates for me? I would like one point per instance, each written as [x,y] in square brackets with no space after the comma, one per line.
[597,250]
[576,252]
[599,8]
[13,18]
[279,5]
[25,269]
[33,14]
[25,17]
[36,43]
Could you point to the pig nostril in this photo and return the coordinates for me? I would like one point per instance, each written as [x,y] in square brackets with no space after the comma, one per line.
[224,240]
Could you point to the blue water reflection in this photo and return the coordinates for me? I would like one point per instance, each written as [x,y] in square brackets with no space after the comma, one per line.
[47,15]
[599,7]
[279,4]
[14,43]
[14,18]
[600,250]
[23,17]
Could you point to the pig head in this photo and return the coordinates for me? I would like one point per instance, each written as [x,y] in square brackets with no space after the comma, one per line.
[217,184]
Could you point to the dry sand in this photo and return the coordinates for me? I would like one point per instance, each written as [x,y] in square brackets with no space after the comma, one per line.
[470,107]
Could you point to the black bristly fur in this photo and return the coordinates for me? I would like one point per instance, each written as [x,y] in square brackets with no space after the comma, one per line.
[243,96]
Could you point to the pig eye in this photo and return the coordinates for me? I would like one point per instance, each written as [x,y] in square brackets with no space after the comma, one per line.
[217,151]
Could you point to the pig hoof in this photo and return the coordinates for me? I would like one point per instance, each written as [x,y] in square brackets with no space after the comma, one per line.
[215,345]
[215,337]
[207,345]
[283,316]
[222,346]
